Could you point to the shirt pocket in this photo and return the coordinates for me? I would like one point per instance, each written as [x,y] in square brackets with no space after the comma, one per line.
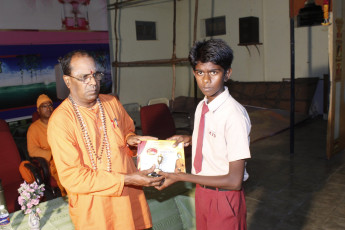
[116,135]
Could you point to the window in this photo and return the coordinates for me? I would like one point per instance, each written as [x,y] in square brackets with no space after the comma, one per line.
[145,30]
[215,26]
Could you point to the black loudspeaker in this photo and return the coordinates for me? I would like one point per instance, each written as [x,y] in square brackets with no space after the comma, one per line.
[249,30]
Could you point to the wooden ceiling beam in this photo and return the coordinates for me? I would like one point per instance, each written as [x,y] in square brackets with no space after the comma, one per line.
[148,63]
[129,3]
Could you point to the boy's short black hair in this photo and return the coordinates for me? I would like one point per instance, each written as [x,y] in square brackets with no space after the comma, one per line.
[213,50]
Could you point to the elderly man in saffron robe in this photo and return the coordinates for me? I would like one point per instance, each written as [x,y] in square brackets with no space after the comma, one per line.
[90,134]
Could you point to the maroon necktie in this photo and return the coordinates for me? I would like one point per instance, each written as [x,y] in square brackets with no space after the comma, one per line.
[198,152]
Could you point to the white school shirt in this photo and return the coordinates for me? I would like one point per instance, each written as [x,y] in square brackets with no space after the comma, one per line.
[226,135]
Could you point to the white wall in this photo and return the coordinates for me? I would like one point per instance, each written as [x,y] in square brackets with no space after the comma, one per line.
[276,40]
[311,51]
[267,62]
[139,84]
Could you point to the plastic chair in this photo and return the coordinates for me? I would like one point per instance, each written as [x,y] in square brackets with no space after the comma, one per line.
[157,121]
[42,175]
[9,173]
[163,100]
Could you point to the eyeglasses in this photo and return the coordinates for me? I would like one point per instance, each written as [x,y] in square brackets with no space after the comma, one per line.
[47,106]
[87,77]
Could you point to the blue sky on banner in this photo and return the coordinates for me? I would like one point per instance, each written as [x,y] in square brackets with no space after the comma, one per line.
[30,64]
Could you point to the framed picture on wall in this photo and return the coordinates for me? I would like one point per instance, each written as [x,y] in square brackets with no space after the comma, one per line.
[145,30]
[215,26]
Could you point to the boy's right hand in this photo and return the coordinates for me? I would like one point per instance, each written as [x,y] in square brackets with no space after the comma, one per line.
[181,138]
[169,179]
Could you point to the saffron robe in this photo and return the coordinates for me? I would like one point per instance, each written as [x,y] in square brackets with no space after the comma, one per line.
[97,199]
[37,144]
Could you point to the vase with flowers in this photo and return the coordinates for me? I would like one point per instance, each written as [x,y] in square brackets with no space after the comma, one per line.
[29,198]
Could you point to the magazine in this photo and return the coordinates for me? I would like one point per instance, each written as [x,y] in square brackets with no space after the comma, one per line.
[162,154]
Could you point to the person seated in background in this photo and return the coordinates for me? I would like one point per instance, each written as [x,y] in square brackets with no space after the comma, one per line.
[37,141]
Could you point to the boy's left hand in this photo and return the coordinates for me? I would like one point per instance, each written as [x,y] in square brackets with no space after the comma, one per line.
[186,139]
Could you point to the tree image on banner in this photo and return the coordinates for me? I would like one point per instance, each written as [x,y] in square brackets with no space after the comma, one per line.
[30,63]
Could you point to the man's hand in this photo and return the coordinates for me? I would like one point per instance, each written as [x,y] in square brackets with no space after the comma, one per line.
[181,138]
[136,139]
[141,178]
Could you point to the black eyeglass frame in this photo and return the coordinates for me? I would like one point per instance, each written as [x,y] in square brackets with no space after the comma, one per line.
[46,106]
[87,77]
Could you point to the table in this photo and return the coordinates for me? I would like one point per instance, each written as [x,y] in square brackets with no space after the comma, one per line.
[54,215]
[169,210]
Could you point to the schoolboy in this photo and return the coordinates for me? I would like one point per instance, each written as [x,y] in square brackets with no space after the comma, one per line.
[219,169]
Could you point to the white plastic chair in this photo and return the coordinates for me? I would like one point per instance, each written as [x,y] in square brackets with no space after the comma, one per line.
[159,100]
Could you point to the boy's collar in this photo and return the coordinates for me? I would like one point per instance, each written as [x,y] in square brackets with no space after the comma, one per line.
[218,101]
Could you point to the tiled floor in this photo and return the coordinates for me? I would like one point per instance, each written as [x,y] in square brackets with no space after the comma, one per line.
[303,192]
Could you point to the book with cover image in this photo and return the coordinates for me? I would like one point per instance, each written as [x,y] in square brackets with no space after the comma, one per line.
[162,154]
